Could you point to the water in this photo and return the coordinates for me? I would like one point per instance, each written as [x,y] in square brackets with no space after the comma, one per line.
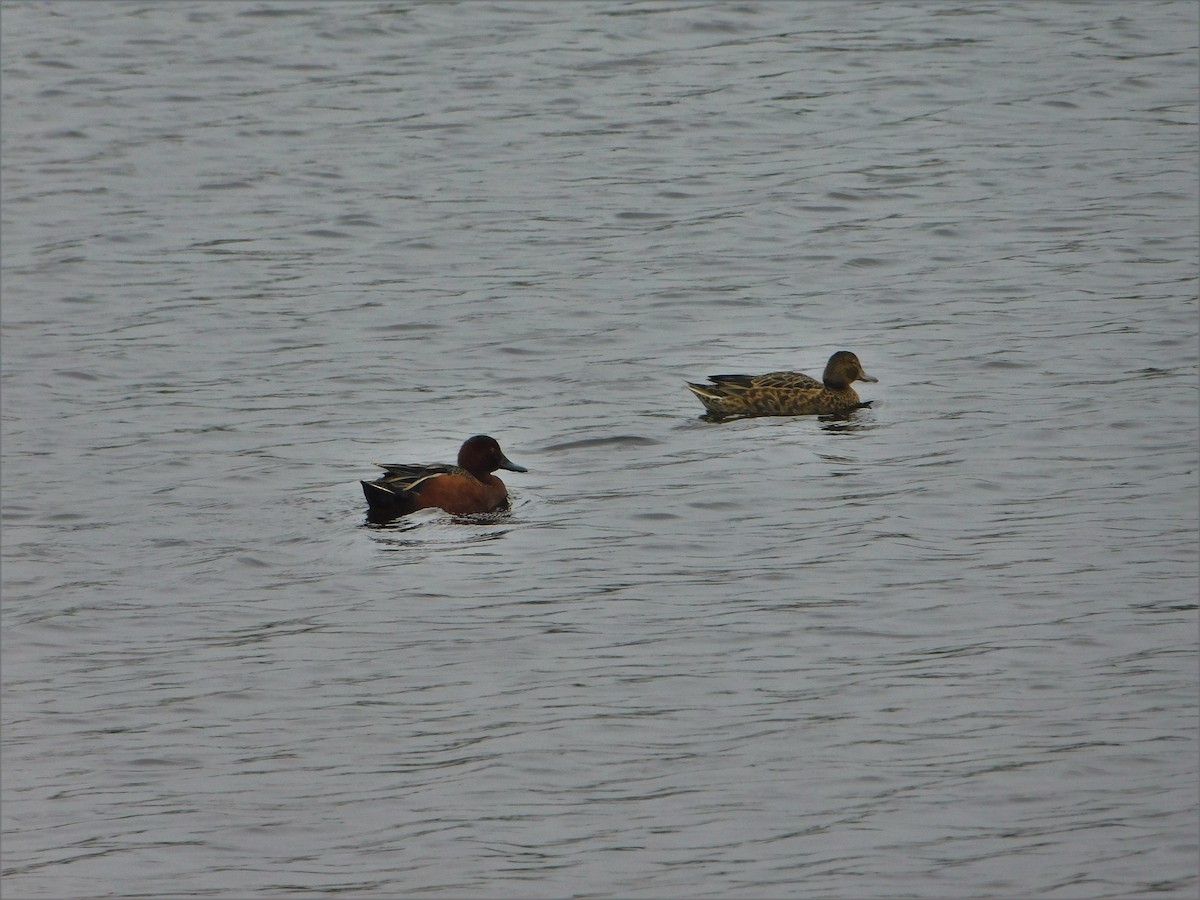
[944,648]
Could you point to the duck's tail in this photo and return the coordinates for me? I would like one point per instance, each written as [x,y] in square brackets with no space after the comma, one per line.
[708,394]
[386,501]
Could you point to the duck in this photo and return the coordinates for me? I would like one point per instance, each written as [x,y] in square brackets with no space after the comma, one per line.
[463,489]
[785,393]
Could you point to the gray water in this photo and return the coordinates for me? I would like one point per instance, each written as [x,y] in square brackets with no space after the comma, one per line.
[943,648]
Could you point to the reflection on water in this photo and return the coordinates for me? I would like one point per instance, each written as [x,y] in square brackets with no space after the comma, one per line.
[434,527]
[830,422]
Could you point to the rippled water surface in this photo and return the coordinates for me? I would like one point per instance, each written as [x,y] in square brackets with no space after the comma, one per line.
[943,648]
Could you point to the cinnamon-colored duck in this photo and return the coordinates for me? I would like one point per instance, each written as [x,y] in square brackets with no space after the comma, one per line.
[464,489]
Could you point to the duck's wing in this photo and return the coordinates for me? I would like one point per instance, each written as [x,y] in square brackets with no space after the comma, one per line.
[795,381]
[416,470]
[406,476]
[732,381]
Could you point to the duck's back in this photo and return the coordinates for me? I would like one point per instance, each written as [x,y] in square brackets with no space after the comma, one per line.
[406,475]
[795,381]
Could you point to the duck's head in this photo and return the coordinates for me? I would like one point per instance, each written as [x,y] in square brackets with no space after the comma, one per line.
[843,369]
[482,453]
